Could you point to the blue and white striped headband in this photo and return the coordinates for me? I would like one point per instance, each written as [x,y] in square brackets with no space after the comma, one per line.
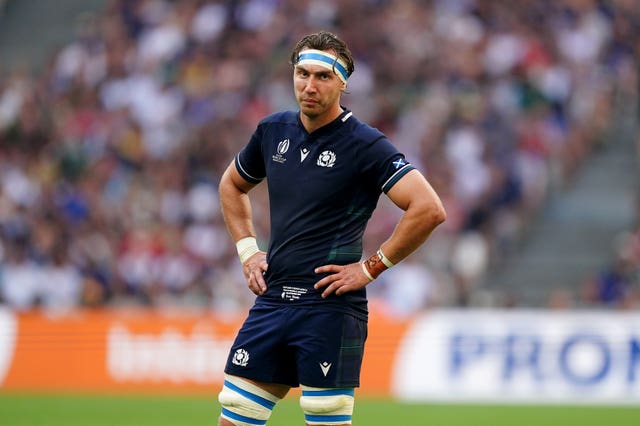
[326,60]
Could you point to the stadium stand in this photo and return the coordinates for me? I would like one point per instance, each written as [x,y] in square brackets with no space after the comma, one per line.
[111,152]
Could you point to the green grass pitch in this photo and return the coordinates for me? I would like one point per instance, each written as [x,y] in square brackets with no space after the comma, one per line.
[102,410]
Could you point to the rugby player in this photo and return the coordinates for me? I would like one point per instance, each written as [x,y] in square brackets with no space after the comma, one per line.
[325,171]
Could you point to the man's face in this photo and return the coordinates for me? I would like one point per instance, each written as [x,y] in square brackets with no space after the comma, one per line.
[317,89]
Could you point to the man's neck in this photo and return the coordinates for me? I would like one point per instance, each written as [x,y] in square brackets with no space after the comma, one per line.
[311,124]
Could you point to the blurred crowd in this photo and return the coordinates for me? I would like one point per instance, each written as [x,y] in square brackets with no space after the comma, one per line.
[110,156]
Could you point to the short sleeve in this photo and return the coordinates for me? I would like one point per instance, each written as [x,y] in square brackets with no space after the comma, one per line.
[386,164]
[397,168]
[250,162]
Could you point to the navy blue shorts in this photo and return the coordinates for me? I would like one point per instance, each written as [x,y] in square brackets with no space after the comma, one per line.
[299,345]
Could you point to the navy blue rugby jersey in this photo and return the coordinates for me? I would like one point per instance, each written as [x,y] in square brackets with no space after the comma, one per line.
[323,188]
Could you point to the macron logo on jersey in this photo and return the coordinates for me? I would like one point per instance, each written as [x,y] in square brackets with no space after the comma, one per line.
[399,163]
[303,153]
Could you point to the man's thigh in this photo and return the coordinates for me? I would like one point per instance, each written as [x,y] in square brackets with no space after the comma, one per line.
[259,352]
[329,348]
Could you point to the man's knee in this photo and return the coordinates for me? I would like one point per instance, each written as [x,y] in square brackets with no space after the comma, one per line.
[245,404]
[323,406]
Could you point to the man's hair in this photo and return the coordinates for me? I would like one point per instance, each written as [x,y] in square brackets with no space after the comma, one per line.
[324,40]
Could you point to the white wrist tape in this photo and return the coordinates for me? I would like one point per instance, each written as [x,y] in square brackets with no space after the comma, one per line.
[366,271]
[246,247]
[384,259]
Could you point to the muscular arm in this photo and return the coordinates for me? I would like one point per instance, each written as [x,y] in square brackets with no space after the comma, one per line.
[237,214]
[235,204]
[423,212]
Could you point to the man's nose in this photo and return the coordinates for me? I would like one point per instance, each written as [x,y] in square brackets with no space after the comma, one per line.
[311,84]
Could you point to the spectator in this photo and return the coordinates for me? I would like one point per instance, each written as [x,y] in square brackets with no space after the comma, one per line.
[123,139]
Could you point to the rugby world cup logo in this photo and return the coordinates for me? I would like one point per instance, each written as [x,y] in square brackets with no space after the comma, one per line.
[326,159]
[283,147]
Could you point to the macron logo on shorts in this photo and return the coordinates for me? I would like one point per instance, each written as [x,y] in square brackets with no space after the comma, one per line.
[325,366]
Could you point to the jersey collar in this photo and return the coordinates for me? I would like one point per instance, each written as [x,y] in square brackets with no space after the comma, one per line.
[341,119]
